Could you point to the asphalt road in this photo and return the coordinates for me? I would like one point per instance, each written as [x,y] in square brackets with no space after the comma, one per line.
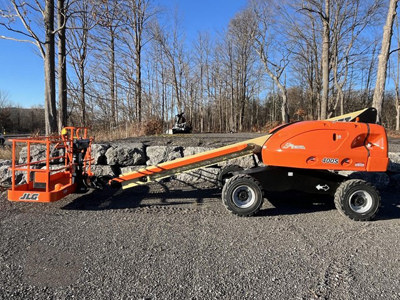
[176,241]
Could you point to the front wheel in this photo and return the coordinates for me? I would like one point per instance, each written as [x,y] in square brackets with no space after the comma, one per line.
[357,200]
[242,195]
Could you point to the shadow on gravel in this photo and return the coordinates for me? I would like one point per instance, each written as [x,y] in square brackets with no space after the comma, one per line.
[390,208]
[132,198]
[161,195]
[289,204]
[296,203]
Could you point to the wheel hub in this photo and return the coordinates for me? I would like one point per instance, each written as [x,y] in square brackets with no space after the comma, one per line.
[360,201]
[244,196]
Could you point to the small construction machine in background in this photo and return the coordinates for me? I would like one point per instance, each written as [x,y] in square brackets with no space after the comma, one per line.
[181,126]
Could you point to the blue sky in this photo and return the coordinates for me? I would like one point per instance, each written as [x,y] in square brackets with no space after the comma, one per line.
[21,68]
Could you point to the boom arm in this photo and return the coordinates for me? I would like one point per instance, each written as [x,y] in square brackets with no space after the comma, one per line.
[190,163]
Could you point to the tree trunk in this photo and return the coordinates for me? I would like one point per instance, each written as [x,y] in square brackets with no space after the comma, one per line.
[138,11]
[276,80]
[138,83]
[83,92]
[325,62]
[284,106]
[49,70]
[383,60]
[62,66]
[176,87]
[112,79]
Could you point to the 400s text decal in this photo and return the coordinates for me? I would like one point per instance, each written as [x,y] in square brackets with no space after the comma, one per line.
[327,160]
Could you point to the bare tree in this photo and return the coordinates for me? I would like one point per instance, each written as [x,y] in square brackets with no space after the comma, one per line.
[139,15]
[349,19]
[241,33]
[395,74]
[110,18]
[81,22]
[135,35]
[303,36]
[202,60]
[62,63]
[264,45]
[172,48]
[383,59]
[322,9]
[325,16]
[25,12]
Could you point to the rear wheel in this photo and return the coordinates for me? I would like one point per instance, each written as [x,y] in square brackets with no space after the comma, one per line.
[226,172]
[357,200]
[242,195]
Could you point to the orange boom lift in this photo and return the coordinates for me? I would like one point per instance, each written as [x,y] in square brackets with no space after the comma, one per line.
[296,157]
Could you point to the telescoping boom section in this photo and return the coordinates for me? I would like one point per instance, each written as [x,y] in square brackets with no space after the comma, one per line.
[208,158]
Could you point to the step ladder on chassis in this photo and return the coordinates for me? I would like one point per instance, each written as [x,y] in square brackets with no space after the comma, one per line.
[298,157]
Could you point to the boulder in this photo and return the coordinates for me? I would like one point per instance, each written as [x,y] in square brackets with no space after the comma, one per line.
[38,153]
[394,163]
[126,155]
[245,162]
[194,150]
[5,162]
[345,173]
[160,154]
[203,175]
[101,170]
[5,176]
[394,157]
[99,153]
[130,169]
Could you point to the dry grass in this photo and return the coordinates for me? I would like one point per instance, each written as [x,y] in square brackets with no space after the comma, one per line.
[393,134]
[150,127]
[116,134]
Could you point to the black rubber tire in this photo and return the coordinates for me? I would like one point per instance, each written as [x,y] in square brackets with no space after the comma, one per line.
[225,173]
[357,200]
[242,195]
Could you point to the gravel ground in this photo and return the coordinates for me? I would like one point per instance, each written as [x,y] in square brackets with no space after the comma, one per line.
[175,241]
[178,242]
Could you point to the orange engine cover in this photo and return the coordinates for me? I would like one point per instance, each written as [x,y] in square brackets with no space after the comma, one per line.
[328,145]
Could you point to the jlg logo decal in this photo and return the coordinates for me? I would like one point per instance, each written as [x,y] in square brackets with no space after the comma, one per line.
[29,196]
